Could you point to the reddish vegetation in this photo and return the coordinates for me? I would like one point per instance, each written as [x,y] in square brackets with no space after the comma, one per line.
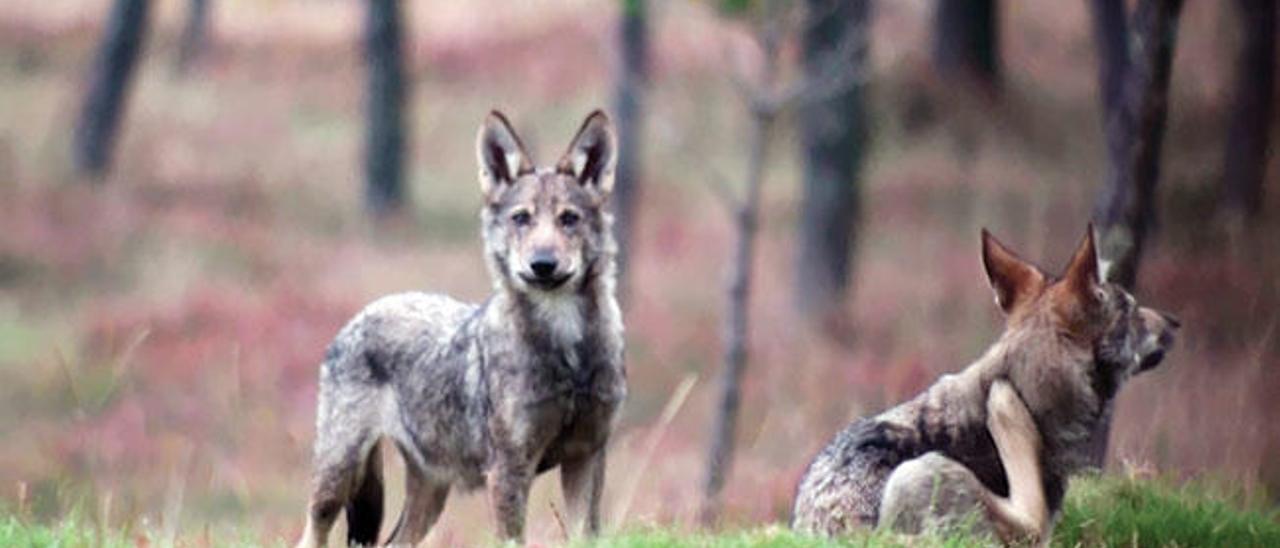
[174,316]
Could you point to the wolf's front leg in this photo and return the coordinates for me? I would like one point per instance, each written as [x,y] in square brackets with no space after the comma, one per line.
[582,482]
[1025,514]
[509,482]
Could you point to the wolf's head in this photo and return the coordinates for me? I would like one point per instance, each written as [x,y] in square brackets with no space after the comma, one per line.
[1079,320]
[546,228]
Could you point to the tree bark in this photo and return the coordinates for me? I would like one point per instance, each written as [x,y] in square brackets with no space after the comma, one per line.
[1249,134]
[123,37]
[833,134]
[725,427]
[1125,210]
[630,79]
[1111,35]
[764,112]
[384,152]
[967,41]
[192,42]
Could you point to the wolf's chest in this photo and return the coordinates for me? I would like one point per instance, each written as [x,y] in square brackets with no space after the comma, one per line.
[577,381]
[574,406]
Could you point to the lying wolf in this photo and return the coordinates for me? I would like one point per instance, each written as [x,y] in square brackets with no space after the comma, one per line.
[494,394]
[992,447]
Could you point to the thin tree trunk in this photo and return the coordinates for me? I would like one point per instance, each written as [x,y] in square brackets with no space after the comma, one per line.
[724,428]
[833,132]
[1245,159]
[632,72]
[967,40]
[192,42]
[1111,35]
[1125,209]
[384,152]
[123,37]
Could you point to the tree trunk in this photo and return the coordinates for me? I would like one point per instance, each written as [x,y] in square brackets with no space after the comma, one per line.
[104,104]
[384,152]
[1245,159]
[192,42]
[1111,35]
[1125,209]
[833,133]
[967,41]
[630,78]
[764,111]
[725,427]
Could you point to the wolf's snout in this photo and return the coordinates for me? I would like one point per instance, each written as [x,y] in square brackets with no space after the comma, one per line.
[1173,321]
[543,265]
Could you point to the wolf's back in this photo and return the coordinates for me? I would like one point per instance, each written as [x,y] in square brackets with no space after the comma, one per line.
[389,335]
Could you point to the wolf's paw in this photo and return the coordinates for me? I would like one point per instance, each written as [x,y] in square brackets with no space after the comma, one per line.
[1007,413]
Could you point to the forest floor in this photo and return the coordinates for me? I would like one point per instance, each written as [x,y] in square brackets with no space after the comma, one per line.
[1100,511]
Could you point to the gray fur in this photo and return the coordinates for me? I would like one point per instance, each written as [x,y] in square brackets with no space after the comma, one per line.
[933,492]
[490,394]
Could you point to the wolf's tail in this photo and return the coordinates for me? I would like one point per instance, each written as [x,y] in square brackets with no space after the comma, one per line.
[364,510]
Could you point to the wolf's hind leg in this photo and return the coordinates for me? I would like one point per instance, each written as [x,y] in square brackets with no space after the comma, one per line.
[364,506]
[582,482]
[934,493]
[334,480]
[424,499]
[1024,515]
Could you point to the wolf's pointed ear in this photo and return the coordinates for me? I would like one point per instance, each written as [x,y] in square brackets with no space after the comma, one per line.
[1084,272]
[501,155]
[1014,280]
[592,154]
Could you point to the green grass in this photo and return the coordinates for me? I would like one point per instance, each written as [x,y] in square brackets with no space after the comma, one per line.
[68,534]
[1106,511]
[1099,511]
[1114,511]
[774,536]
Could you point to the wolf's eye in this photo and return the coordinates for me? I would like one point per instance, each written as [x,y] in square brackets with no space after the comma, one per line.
[569,219]
[521,218]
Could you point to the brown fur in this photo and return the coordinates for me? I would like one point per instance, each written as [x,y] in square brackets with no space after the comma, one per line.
[1069,343]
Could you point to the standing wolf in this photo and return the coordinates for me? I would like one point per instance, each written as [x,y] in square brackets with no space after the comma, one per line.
[996,442]
[487,395]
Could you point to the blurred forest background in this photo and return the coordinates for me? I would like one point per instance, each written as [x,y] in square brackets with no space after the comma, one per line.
[196,194]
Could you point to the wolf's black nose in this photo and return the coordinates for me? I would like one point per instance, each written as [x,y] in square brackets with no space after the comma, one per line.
[543,267]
